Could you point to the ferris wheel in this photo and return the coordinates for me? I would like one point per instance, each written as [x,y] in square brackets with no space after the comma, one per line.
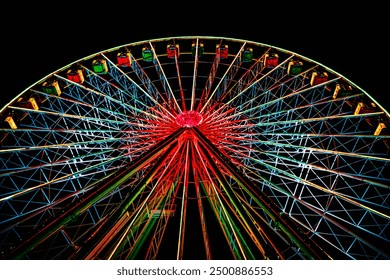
[194,148]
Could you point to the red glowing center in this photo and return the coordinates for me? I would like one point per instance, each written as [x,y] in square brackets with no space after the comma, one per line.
[189,118]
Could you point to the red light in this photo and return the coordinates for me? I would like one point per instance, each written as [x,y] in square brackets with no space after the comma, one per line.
[189,118]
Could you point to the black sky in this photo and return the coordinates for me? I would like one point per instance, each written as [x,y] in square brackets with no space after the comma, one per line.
[351,41]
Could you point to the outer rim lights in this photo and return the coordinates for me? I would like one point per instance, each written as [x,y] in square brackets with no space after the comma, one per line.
[189,119]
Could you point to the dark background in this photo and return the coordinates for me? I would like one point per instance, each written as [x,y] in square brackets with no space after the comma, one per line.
[43,38]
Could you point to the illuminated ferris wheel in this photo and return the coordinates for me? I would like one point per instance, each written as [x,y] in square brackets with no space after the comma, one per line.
[194,148]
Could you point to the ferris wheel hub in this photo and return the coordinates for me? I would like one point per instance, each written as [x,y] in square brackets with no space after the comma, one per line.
[189,118]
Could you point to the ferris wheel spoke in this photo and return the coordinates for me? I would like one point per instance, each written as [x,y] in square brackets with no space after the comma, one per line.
[181,90]
[163,78]
[59,103]
[292,109]
[266,85]
[49,115]
[102,92]
[183,210]
[237,91]
[266,100]
[198,178]
[133,90]
[129,85]
[194,76]
[224,82]
[247,78]
[92,95]
[340,124]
